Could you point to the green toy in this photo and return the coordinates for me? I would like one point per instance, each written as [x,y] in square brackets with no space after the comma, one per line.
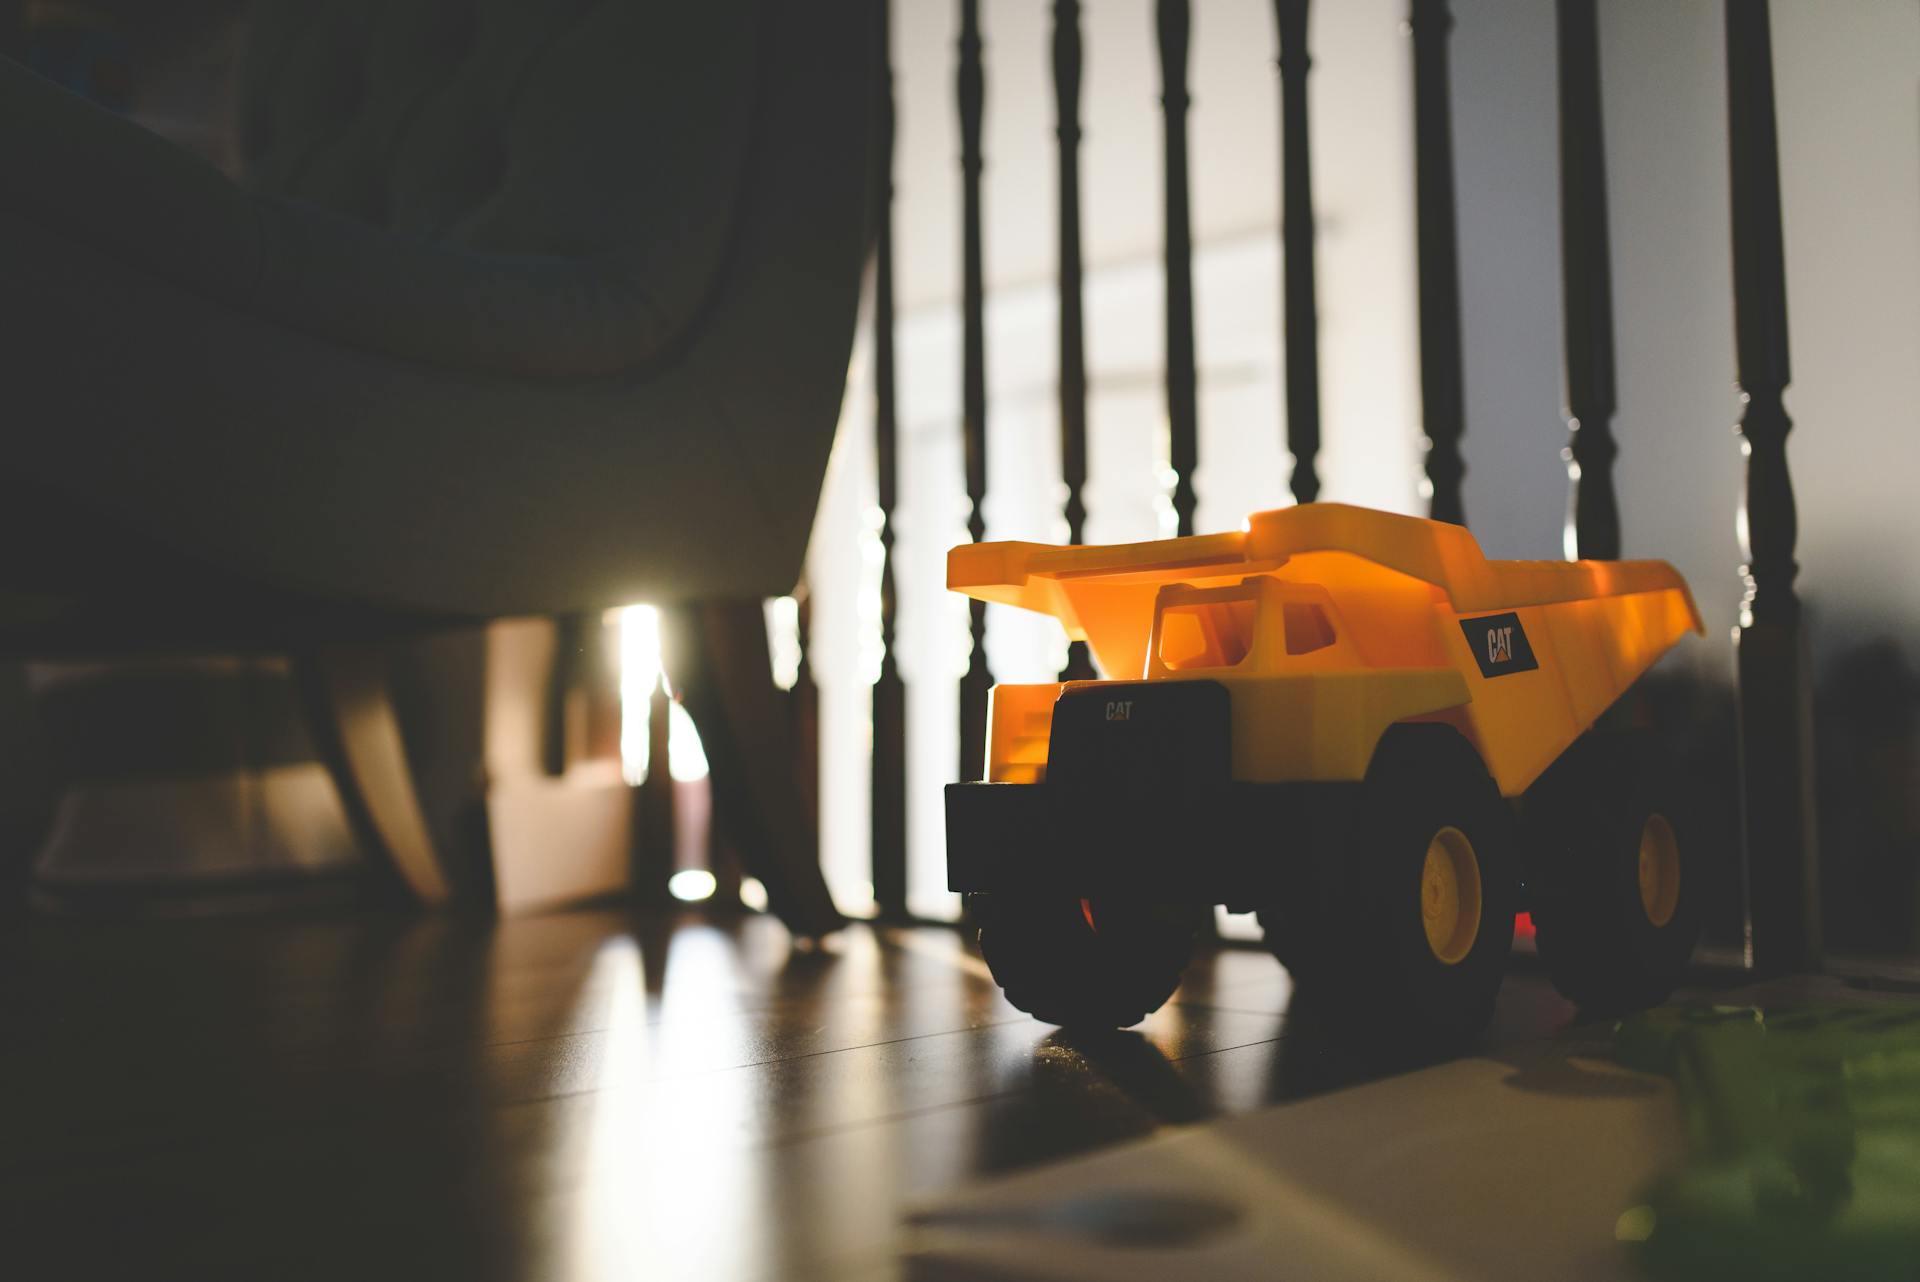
[1805,1128]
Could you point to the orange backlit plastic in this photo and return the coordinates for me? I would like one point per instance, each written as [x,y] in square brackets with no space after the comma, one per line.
[1327,623]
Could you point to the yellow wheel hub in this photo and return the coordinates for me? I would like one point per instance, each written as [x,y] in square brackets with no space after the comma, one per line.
[1450,895]
[1659,870]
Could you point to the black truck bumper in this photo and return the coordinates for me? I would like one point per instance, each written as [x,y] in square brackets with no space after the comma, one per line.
[1239,844]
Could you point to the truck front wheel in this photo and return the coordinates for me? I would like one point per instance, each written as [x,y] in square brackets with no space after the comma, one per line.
[1084,963]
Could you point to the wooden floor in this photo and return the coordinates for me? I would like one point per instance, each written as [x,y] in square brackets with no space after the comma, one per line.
[577,1096]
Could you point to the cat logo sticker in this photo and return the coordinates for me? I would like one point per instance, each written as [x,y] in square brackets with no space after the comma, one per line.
[1499,644]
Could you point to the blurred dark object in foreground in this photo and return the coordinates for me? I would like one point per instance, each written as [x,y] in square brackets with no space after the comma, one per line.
[85,49]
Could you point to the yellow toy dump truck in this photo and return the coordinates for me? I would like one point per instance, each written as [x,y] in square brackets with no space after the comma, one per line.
[1351,722]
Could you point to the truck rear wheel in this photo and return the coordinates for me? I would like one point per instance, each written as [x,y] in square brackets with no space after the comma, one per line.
[1084,963]
[1421,902]
[1616,909]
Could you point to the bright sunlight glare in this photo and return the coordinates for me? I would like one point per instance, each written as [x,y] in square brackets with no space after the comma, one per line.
[640,673]
[691,885]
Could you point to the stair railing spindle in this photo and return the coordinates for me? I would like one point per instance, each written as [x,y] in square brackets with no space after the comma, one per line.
[1442,399]
[1073,358]
[889,778]
[972,93]
[1174,20]
[1300,314]
[1777,808]
[1586,272]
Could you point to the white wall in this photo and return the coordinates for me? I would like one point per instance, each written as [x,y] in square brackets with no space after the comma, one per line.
[1849,100]
[1848,85]
[1505,146]
[1665,123]
[1663,71]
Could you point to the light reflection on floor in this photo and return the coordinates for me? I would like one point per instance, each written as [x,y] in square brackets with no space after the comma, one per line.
[582,1095]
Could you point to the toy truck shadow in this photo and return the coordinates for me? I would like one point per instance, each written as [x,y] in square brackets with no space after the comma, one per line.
[1350,722]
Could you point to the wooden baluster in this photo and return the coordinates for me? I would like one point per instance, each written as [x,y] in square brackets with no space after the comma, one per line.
[1073,357]
[1174,18]
[1175,21]
[1586,273]
[1300,314]
[889,692]
[1441,398]
[1783,901]
[972,90]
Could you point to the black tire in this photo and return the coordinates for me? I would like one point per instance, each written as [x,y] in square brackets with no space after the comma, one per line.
[1604,812]
[1084,964]
[1371,952]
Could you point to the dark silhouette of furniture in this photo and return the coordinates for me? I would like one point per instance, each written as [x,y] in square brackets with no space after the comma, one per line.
[515,308]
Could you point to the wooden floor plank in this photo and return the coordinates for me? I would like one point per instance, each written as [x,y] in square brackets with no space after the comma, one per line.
[583,1095]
